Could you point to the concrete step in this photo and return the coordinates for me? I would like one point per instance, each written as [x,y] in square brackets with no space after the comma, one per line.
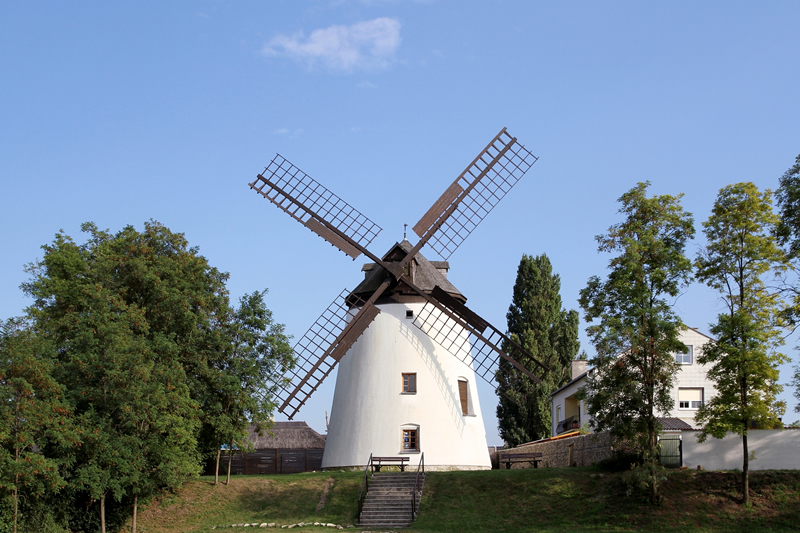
[387,509]
[384,499]
[385,525]
[388,500]
[404,513]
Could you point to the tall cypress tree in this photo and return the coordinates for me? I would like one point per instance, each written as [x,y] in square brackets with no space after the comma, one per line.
[537,321]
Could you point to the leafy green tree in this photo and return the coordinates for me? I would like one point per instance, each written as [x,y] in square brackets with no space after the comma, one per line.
[740,250]
[536,321]
[251,369]
[32,414]
[788,201]
[635,331]
[145,338]
[123,377]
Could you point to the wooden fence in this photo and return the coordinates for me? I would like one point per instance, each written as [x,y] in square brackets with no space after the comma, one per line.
[270,461]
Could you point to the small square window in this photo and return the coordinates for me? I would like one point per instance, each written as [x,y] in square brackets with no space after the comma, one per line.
[410,440]
[409,313]
[685,358]
[690,398]
[410,382]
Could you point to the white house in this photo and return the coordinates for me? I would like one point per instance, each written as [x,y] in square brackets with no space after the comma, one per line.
[691,389]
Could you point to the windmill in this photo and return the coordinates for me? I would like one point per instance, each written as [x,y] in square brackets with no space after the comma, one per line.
[402,388]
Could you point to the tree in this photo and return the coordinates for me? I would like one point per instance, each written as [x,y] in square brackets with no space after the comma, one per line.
[788,200]
[122,371]
[144,335]
[740,250]
[536,321]
[32,413]
[251,368]
[636,333]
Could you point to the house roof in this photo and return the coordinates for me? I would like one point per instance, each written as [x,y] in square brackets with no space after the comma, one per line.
[670,423]
[296,435]
[579,378]
[582,376]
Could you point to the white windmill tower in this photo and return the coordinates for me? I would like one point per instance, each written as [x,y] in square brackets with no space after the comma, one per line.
[408,346]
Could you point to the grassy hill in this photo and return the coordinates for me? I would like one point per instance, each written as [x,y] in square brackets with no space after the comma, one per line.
[550,499]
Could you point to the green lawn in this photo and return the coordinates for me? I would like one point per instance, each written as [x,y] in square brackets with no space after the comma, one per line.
[547,499]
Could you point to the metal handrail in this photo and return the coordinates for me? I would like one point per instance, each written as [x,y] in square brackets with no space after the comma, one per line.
[364,487]
[421,467]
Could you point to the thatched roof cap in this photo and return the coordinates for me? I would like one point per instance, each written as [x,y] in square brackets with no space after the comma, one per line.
[296,435]
[424,274]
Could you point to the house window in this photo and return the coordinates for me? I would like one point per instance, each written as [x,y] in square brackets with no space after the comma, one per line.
[409,313]
[410,383]
[410,440]
[463,391]
[685,358]
[690,398]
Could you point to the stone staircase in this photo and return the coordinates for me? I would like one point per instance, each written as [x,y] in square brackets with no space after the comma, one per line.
[388,500]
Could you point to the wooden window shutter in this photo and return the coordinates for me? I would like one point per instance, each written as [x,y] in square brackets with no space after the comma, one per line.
[462,394]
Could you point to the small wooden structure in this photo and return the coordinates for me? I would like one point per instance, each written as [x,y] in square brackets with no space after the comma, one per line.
[288,448]
[378,462]
[534,458]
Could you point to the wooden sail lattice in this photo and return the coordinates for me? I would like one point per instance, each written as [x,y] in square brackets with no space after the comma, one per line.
[314,206]
[316,354]
[470,339]
[474,194]
[445,226]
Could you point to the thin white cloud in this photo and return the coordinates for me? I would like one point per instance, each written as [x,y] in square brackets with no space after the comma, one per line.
[285,132]
[365,45]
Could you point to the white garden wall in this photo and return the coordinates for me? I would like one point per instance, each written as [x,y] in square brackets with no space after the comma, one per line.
[774,449]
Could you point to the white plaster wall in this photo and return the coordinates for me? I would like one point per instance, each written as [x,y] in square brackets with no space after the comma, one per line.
[774,449]
[370,410]
[559,399]
[691,376]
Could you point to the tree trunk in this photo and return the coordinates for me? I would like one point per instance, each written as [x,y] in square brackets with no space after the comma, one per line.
[135,507]
[230,458]
[16,490]
[216,466]
[652,455]
[103,513]
[16,506]
[745,471]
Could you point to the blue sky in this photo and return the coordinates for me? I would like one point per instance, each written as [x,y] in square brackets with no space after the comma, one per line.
[121,112]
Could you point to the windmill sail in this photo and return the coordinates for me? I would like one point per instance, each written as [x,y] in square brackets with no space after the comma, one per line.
[314,206]
[324,344]
[317,353]
[474,194]
[442,317]
[450,220]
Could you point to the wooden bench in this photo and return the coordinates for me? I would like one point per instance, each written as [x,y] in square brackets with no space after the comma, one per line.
[508,458]
[378,462]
